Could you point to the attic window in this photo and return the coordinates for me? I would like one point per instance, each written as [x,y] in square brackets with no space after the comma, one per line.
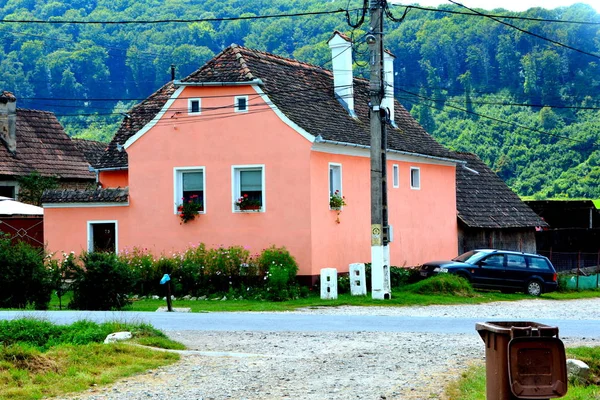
[415,178]
[241,104]
[396,175]
[194,106]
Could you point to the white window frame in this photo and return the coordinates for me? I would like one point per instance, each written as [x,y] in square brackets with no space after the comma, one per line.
[178,185]
[417,171]
[337,176]
[90,233]
[396,176]
[190,101]
[235,104]
[236,191]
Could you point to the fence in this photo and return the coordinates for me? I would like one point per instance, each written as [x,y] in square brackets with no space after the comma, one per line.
[586,267]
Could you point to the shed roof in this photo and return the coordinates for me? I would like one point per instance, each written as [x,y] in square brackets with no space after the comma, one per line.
[108,195]
[483,200]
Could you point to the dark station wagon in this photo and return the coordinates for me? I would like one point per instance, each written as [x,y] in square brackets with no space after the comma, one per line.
[501,270]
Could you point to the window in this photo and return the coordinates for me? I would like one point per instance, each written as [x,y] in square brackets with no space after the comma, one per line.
[249,182]
[8,191]
[537,263]
[415,178]
[494,261]
[189,185]
[102,236]
[241,104]
[396,175]
[515,261]
[194,106]
[335,179]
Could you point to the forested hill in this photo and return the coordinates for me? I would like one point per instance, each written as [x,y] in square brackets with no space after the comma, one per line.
[528,107]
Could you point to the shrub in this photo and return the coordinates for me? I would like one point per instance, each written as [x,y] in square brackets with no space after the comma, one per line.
[443,284]
[23,278]
[142,265]
[31,331]
[281,269]
[102,284]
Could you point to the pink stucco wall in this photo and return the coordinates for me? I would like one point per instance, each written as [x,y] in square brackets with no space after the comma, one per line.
[297,213]
[424,221]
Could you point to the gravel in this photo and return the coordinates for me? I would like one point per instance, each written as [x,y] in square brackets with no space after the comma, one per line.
[332,365]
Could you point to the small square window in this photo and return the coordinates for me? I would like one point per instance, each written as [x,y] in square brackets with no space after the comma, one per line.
[415,178]
[241,104]
[396,175]
[194,106]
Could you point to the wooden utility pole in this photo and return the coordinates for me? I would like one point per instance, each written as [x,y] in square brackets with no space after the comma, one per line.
[379,230]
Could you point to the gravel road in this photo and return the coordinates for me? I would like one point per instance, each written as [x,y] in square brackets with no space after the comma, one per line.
[333,365]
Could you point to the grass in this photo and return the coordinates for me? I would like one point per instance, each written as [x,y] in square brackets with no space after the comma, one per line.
[471,384]
[39,359]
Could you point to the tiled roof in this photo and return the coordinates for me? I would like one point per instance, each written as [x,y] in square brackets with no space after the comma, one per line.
[135,120]
[91,149]
[483,200]
[43,146]
[303,92]
[109,195]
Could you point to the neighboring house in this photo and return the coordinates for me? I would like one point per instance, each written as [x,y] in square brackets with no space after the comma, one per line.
[33,140]
[283,132]
[490,214]
[22,222]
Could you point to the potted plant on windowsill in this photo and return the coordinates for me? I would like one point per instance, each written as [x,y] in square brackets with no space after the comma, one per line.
[189,209]
[244,203]
[337,201]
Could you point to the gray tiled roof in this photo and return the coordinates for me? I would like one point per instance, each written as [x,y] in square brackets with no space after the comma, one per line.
[91,149]
[303,92]
[109,195]
[483,200]
[43,146]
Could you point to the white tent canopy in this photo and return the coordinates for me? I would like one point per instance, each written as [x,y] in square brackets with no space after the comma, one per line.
[9,206]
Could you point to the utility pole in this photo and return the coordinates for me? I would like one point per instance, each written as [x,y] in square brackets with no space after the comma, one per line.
[380,280]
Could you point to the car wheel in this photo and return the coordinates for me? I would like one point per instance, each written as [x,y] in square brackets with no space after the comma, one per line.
[534,288]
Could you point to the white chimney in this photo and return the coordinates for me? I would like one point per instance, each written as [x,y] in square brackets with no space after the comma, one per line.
[388,79]
[8,120]
[341,60]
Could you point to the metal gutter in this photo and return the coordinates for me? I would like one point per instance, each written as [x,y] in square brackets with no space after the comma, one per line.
[320,139]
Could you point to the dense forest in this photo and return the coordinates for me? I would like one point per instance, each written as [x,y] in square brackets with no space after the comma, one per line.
[524,97]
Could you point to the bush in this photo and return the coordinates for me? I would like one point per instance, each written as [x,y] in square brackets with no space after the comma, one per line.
[23,278]
[443,284]
[281,269]
[103,283]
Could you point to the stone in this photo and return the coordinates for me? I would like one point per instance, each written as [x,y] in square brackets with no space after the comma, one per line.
[577,370]
[117,337]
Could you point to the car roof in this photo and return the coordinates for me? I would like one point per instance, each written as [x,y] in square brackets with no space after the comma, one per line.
[490,251]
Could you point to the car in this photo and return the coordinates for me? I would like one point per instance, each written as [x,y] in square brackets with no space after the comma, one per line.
[508,271]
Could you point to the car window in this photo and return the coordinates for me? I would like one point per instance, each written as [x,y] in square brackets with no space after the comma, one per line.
[494,261]
[515,261]
[538,263]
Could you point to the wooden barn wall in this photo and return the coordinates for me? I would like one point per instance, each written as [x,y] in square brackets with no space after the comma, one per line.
[505,239]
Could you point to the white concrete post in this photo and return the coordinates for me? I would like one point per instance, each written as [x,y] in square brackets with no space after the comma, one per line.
[329,284]
[358,280]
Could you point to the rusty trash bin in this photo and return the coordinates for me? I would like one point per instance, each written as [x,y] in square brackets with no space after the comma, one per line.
[523,360]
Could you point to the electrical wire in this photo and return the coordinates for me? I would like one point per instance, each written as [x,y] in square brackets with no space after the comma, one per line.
[555,42]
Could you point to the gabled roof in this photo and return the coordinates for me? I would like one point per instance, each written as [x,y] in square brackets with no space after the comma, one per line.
[43,146]
[483,200]
[303,92]
[91,150]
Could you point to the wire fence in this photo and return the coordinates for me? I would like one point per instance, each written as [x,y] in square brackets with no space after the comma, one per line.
[567,261]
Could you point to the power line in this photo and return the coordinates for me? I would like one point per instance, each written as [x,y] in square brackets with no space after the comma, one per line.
[472,14]
[180,21]
[490,118]
[557,43]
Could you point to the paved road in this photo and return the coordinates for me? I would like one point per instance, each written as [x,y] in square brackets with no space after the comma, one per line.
[297,322]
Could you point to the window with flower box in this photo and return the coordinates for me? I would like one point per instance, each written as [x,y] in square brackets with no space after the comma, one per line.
[335,181]
[248,187]
[189,186]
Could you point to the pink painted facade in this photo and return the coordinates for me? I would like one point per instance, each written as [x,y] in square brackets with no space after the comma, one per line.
[298,145]
[296,210]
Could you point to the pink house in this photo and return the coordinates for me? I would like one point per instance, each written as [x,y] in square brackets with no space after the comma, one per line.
[283,132]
